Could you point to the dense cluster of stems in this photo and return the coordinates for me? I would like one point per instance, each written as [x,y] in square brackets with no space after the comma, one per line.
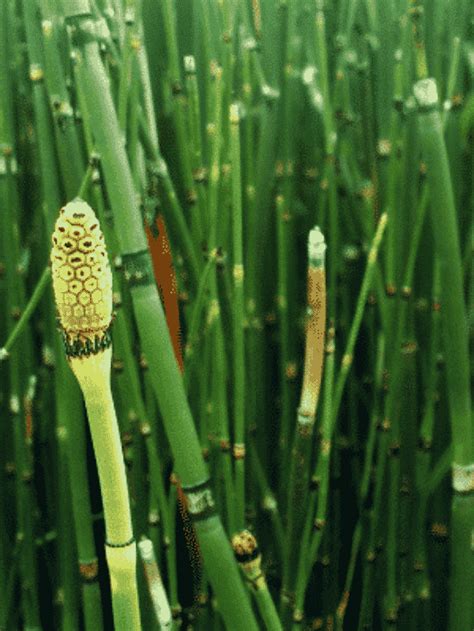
[256,412]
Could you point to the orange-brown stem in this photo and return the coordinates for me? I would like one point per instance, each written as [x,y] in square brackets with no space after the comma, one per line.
[165,277]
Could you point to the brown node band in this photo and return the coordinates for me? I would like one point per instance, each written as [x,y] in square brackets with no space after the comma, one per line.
[224,444]
[89,572]
[439,531]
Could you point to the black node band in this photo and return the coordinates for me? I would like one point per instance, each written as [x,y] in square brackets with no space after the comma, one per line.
[137,268]
[196,488]
[121,545]
[468,493]
[253,579]
[83,348]
[247,557]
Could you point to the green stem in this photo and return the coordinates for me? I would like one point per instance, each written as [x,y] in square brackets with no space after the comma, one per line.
[455,338]
[238,319]
[27,313]
[154,335]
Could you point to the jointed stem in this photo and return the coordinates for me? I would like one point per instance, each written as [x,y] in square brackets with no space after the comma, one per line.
[154,336]
[27,313]
[93,374]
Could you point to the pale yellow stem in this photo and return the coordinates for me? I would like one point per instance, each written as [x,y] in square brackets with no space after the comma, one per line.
[93,374]
[122,564]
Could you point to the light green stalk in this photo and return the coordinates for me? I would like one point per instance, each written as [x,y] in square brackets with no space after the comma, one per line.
[250,560]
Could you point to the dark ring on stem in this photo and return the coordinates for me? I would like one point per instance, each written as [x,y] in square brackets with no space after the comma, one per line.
[79,347]
[84,27]
[176,612]
[305,422]
[255,581]
[89,581]
[121,545]
[287,596]
[426,109]
[224,444]
[246,557]
[468,493]
[200,503]
[137,268]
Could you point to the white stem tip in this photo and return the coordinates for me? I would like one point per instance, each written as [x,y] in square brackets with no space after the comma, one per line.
[316,245]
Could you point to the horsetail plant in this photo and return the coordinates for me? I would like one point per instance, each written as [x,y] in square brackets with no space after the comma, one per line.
[238,323]
[249,558]
[155,584]
[455,337]
[82,282]
[302,440]
[165,377]
[210,138]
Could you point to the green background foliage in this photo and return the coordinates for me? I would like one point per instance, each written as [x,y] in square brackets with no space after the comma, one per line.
[345,115]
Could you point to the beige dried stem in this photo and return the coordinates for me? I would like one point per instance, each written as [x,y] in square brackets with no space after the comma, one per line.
[315,327]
